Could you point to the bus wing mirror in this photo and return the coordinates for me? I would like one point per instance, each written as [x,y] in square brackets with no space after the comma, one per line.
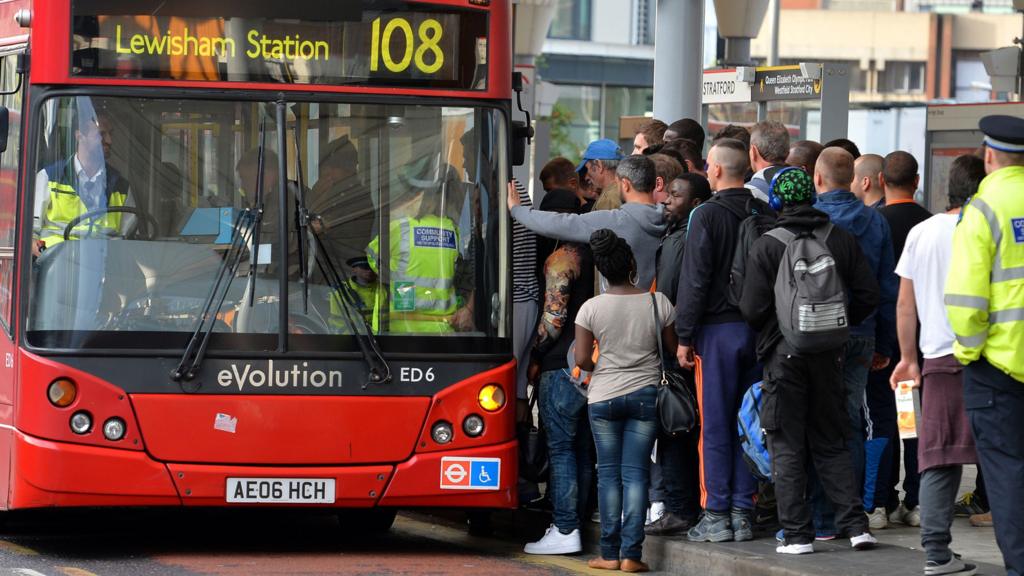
[5,117]
[521,135]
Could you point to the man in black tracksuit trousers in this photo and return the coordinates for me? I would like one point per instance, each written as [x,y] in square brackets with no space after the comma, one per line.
[803,407]
[678,455]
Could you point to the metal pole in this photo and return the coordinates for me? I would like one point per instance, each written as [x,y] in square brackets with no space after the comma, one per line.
[773,50]
[835,101]
[737,52]
[678,58]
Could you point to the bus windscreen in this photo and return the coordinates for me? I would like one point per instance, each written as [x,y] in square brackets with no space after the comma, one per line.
[394,44]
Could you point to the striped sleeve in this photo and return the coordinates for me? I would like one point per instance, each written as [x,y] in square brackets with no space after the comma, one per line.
[525,287]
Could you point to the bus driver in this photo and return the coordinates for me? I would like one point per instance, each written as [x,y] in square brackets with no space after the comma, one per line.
[84,182]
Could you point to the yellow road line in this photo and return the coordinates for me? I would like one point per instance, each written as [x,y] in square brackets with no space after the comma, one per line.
[441,533]
[16,549]
[72,571]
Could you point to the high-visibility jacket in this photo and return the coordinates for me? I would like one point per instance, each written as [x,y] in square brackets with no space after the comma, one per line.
[64,204]
[422,259]
[367,303]
[985,289]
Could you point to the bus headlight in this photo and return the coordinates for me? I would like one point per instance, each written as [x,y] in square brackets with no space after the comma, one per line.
[491,398]
[81,422]
[62,392]
[442,432]
[473,425]
[113,429]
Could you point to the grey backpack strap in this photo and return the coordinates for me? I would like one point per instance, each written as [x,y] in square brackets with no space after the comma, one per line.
[781,234]
[823,232]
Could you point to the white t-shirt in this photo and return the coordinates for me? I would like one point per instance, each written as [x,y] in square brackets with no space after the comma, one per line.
[623,325]
[925,261]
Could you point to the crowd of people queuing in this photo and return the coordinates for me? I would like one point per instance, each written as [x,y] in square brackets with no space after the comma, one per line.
[718,260]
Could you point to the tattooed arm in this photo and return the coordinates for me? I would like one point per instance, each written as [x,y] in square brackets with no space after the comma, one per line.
[561,269]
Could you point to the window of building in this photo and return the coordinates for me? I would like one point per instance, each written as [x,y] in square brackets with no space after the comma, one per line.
[571,20]
[643,20]
[902,77]
[972,82]
[575,120]
[622,101]
[584,113]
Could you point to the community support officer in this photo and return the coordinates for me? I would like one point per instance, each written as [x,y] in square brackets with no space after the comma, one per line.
[423,261]
[80,183]
[985,303]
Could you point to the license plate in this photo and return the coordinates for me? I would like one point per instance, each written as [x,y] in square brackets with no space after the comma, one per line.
[281,490]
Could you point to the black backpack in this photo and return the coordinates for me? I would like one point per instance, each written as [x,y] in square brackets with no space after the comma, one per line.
[756,219]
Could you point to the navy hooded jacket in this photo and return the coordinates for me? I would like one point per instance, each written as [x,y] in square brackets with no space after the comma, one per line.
[875,239]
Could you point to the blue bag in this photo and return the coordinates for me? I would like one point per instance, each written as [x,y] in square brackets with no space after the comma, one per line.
[752,436]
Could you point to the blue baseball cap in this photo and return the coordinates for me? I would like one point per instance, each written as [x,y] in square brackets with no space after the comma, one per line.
[603,149]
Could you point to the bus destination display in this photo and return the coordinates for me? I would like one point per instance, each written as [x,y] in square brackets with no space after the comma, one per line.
[411,49]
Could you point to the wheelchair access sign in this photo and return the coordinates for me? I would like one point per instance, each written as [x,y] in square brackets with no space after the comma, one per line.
[470,473]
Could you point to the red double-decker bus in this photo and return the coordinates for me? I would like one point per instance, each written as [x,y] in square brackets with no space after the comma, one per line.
[254,253]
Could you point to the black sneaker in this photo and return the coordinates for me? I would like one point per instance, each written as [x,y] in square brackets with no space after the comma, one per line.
[742,524]
[712,527]
[667,524]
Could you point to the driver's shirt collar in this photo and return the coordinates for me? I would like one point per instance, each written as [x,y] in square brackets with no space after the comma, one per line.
[91,189]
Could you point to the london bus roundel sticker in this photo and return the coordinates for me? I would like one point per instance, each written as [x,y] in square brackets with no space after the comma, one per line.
[470,473]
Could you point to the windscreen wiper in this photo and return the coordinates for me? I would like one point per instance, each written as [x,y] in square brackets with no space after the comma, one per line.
[245,225]
[379,371]
[246,235]
[301,221]
[254,255]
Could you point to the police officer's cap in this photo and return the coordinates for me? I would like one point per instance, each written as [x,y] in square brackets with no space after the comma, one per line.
[1003,133]
[358,262]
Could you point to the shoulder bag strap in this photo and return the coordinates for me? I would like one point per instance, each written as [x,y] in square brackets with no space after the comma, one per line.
[657,331]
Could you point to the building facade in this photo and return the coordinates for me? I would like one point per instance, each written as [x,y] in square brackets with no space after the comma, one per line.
[600,54]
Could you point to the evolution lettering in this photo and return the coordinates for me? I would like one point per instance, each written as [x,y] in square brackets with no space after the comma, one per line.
[294,377]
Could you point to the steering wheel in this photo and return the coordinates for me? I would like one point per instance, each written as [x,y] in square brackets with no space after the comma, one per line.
[149,224]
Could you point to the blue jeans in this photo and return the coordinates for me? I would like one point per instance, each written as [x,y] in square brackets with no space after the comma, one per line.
[563,415]
[624,431]
[856,366]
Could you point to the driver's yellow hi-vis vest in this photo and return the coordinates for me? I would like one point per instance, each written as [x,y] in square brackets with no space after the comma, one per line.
[64,205]
[985,289]
[367,303]
[422,260]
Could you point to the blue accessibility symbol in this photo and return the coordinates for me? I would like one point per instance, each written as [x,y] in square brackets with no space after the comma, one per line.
[485,473]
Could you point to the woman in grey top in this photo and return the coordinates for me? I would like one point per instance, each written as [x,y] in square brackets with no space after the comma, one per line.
[621,395]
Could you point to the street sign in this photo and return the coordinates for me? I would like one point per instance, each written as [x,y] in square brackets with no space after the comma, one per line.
[784,83]
[723,87]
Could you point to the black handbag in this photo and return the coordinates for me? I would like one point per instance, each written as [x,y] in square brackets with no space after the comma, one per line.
[533,446]
[676,406]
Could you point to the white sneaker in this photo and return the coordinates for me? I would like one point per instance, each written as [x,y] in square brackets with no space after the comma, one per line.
[863,542]
[879,519]
[794,549]
[554,542]
[655,512]
[913,517]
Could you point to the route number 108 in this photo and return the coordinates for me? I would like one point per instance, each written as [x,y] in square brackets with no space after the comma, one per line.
[429,35]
